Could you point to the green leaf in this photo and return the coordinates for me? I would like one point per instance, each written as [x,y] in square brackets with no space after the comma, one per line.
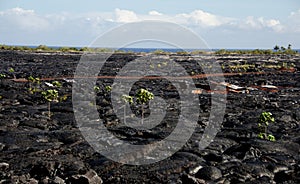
[2,76]
[261,135]
[144,96]
[96,88]
[271,137]
[127,98]
[56,84]
[11,70]
[108,88]
[50,95]
[63,98]
[266,117]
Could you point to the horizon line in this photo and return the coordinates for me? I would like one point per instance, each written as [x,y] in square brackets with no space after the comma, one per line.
[126,48]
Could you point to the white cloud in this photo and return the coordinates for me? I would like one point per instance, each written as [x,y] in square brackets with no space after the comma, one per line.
[125,16]
[155,13]
[250,22]
[261,23]
[21,24]
[205,19]
[274,24]
[19,11]
[295,14]
[29,20]
[294,21]
[23,19]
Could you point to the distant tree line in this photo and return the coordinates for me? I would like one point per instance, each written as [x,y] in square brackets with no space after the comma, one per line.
[276,50]
[52,49]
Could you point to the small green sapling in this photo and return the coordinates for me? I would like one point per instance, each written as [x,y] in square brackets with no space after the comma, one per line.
[12,71]
[51,95]
[144,96]
[264,119]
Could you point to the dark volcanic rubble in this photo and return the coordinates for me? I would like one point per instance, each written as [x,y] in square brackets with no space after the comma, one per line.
[37,149]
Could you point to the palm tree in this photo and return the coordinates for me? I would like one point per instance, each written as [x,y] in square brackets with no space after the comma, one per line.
[276,48]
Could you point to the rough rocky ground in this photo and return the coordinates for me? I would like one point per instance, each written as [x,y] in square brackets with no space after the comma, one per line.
[37,149]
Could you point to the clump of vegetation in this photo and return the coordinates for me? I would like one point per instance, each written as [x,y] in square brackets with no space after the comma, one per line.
[143,97]
[12,71]
[160,52]
[2,76]
[34,84]
[197,52]
[88,49]
[283,50]
[286,65]
[264,120]
[50,95]
[243,52]
[97,89]
[184,53]
[276,50]
[20,48]
[56,84]
[127,99]
[44,48]
[108,88]
[68,49]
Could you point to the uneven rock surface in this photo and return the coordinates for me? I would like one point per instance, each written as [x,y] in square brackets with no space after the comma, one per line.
[35,148]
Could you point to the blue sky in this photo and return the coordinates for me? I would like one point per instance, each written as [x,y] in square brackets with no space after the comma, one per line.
[221,23]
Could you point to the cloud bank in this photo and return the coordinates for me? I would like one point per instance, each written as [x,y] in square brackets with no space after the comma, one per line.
[28,27]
